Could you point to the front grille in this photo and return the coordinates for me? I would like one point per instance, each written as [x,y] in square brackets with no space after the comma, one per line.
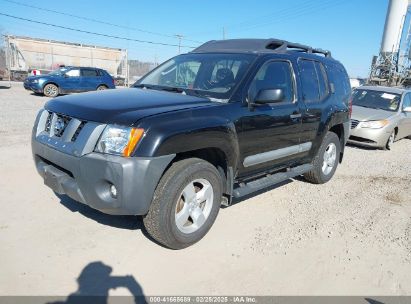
[80,127]
[56,125]
[354,123]
[60,124]
[48,122]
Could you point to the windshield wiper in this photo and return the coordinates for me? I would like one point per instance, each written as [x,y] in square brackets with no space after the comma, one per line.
[160,88]
[172,89]
[142,86]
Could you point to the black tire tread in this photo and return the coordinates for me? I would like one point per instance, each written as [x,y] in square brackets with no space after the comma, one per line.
[315,175]
[157,229]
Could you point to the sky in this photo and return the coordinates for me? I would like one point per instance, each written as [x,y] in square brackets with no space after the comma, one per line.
[350,29]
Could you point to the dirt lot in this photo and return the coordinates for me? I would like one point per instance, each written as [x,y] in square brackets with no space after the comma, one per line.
[350,236]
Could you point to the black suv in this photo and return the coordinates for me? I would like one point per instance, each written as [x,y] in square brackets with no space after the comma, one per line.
[226,120]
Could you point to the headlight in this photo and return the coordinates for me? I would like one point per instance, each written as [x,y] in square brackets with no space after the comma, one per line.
[374,124]
[119,140]
[35,81]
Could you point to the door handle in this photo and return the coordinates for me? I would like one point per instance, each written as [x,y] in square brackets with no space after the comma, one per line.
[294,116]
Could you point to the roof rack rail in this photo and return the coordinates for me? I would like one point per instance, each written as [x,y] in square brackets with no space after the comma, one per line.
[257,45]
[283,45]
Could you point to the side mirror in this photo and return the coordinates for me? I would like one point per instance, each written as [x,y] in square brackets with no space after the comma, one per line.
[406,109]
[66,76]
[269,96]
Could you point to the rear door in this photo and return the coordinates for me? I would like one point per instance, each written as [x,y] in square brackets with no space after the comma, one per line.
[270,133]
[90,79]
[315,94]
[404,126]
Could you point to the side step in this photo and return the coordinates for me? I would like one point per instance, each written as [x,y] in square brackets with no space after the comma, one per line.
[270,180]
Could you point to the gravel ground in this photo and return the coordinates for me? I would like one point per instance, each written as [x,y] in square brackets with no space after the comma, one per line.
[350,236]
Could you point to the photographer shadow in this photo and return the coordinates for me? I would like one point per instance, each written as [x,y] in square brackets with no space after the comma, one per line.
[95,282]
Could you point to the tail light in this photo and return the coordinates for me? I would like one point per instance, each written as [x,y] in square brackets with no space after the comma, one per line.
[350,106]
[114,82]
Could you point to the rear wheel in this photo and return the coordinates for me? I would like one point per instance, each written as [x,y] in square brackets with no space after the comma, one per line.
[51,90]
[326,161]
[185,204]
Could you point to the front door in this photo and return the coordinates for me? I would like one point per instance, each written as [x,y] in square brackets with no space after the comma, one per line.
[269,133]
[71,82]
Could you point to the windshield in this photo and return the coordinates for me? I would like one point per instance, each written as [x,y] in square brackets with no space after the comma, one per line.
[60,71]
[376,100]
[206,75]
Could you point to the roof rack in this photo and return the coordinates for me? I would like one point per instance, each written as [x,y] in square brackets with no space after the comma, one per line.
[283,45]
[257,45]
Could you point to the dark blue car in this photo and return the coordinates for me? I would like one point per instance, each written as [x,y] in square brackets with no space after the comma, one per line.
[68,80]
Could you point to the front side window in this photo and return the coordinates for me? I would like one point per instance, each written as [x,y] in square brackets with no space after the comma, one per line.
[73,73]
[206,75]
[376,100]
[407,101]
[274,75]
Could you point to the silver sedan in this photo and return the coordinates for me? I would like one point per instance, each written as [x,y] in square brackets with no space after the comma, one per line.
[380,116]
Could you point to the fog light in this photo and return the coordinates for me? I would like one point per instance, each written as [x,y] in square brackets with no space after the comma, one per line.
[113,191]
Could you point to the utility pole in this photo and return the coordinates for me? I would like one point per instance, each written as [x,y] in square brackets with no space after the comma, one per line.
[179,37]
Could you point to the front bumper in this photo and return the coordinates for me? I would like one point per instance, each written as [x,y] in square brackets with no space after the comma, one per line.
[368,137]
[35,87]
[86,176]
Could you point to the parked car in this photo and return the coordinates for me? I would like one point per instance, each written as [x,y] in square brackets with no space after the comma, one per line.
[381,115]
[226,120]
[68,80]
[356,82]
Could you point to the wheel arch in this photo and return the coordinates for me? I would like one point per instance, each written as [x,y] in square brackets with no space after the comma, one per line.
[215,156]
[51,82]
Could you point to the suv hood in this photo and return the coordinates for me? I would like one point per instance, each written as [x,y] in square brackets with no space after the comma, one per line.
[365,114]
[122,106]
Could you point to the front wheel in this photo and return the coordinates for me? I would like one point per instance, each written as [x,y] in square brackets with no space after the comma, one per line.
[185,204]
[326,161]
[51,90]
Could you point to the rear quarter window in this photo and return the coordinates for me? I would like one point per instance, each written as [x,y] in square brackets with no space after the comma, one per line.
[339,79]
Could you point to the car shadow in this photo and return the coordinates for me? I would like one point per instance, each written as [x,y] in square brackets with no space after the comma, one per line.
[5,87]
[94,283]
[128,222]
[353,146]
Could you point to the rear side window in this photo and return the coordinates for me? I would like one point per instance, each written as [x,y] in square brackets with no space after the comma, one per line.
[322,80]
[309,81]
[89,73]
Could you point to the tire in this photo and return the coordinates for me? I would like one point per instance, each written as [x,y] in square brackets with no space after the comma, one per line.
[51,90]
[101,87]
[390,141]
[324,169]
[175,187]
